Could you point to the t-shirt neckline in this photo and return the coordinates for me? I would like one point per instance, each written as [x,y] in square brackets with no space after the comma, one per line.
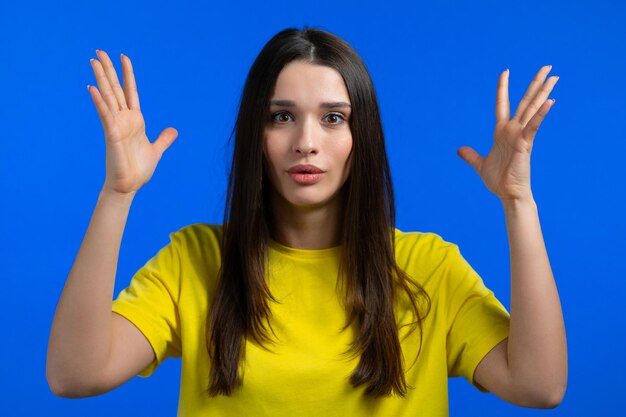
[305,253]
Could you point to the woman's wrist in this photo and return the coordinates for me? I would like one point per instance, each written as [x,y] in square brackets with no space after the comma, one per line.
[123,199]
[519,204]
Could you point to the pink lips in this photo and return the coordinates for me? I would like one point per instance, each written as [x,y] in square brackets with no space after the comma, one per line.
[305,174]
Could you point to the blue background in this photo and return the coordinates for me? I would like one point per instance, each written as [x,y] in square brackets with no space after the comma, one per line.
[435,66]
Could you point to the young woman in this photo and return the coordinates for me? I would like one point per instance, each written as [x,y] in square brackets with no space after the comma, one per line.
[307,300]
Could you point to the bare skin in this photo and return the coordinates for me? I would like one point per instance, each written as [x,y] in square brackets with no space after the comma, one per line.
[304,130]
[91,349]
[530,367]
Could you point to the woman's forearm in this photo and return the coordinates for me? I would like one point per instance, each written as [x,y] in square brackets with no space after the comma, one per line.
[80,338]
[537,349]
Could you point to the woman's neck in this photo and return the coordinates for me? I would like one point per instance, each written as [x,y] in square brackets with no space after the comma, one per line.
[312,227]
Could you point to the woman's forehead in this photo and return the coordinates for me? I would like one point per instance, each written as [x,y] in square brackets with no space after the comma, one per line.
[302,82]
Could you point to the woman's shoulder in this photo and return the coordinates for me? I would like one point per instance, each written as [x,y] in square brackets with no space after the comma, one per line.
[425,252]
[200,237]
[432,260]
[199,231]
[421,241]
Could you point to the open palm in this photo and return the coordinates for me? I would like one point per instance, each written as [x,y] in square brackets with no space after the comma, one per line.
[506,169]
[130,157]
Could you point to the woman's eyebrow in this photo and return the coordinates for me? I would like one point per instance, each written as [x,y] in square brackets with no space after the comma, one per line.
[326,104]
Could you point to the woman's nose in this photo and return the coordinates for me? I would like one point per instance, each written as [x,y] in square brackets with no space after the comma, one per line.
[306,141]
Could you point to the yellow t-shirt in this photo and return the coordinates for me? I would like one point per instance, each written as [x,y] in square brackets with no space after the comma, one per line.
[307,372]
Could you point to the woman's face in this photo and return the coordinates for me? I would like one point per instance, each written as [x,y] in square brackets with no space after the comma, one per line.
[307,141]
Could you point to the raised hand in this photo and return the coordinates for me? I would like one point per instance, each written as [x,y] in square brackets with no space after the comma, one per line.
[130,157]
[506,169]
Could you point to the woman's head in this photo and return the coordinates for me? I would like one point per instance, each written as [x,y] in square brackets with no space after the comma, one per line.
[339,75]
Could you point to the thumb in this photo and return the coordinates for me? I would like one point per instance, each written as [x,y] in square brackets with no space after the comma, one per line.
[471,157]
[165,139]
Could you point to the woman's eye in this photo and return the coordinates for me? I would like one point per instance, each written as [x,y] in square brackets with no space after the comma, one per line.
[335,118]
[281,117]
[285,117]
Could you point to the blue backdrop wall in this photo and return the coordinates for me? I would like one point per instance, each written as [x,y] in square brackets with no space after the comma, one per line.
[435,66]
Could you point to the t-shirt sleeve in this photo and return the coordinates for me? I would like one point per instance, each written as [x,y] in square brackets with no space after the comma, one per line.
[477,321]
[150,302]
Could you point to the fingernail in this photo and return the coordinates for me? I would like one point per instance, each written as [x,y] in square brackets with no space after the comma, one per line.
[88,87]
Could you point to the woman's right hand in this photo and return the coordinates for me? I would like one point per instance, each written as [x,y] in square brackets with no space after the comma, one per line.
[130,157]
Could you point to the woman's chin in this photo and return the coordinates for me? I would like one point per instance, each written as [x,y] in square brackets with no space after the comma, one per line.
[312,202]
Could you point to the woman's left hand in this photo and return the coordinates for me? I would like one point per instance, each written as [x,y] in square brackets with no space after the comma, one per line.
[506,169]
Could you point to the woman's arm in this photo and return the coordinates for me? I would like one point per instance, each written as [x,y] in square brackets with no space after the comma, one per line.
[87,340]
[530,367]
[91,349]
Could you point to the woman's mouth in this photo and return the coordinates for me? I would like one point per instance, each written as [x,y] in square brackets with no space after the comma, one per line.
[305,174]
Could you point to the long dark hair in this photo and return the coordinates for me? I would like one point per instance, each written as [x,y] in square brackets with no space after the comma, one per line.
[369,274]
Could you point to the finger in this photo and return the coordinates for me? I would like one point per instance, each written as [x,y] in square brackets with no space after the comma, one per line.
[165,139]
[503,110]
[533,125]
[539,100]
[109,70]
[130,86]
[471,157]
[534,86]
[105,88]
[103,111]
